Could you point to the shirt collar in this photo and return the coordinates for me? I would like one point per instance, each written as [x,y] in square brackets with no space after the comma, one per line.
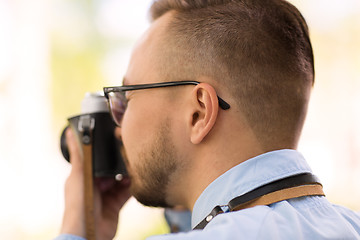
[247,176]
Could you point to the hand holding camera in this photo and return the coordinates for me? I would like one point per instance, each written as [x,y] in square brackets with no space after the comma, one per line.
[95,129]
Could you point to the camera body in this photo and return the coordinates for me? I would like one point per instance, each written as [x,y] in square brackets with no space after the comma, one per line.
[106,153]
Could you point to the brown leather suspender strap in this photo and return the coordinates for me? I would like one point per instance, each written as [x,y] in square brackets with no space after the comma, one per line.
[86,125]
[300,185]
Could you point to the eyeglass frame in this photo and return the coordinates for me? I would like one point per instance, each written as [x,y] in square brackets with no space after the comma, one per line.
[222,104]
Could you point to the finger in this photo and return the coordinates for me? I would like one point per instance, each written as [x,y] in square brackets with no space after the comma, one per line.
[125,182]
[74,215]
[74,149]
[116,196]
[104,184]
[123,192]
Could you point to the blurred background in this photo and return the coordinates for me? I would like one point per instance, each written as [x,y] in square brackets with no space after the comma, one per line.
[53,51]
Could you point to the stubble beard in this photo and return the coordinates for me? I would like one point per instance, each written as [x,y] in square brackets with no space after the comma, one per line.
[157,163]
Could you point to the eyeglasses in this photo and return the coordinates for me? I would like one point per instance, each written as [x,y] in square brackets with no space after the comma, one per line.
[118,102]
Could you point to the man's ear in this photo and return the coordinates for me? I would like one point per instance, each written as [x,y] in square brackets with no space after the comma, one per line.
[205,107]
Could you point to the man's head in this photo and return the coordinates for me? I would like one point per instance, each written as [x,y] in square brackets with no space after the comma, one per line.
[255,54]
[257,50]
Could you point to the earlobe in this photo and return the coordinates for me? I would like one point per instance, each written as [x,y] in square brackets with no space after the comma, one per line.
[205,111]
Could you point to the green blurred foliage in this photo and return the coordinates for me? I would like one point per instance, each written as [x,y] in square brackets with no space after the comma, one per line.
[74,72]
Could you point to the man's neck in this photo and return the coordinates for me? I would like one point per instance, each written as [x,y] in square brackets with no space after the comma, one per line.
[210,163]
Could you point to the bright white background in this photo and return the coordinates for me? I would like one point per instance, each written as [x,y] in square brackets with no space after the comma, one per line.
[32,170]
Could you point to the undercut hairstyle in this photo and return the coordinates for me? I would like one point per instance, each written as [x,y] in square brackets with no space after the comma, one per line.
[256,51]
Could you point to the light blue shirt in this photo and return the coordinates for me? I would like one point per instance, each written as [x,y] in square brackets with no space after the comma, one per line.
[298,218]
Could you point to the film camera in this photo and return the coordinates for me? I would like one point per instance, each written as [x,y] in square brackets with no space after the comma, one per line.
[95,126]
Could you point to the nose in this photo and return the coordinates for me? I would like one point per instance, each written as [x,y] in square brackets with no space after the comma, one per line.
[118,133]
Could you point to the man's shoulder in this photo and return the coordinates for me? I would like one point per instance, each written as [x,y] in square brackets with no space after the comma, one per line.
[296,218]
[301,218]
[350,216]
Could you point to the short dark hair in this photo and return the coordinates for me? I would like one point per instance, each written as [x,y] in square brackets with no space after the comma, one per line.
[259,50]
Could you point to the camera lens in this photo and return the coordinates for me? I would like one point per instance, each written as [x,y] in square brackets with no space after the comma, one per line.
[63,145]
